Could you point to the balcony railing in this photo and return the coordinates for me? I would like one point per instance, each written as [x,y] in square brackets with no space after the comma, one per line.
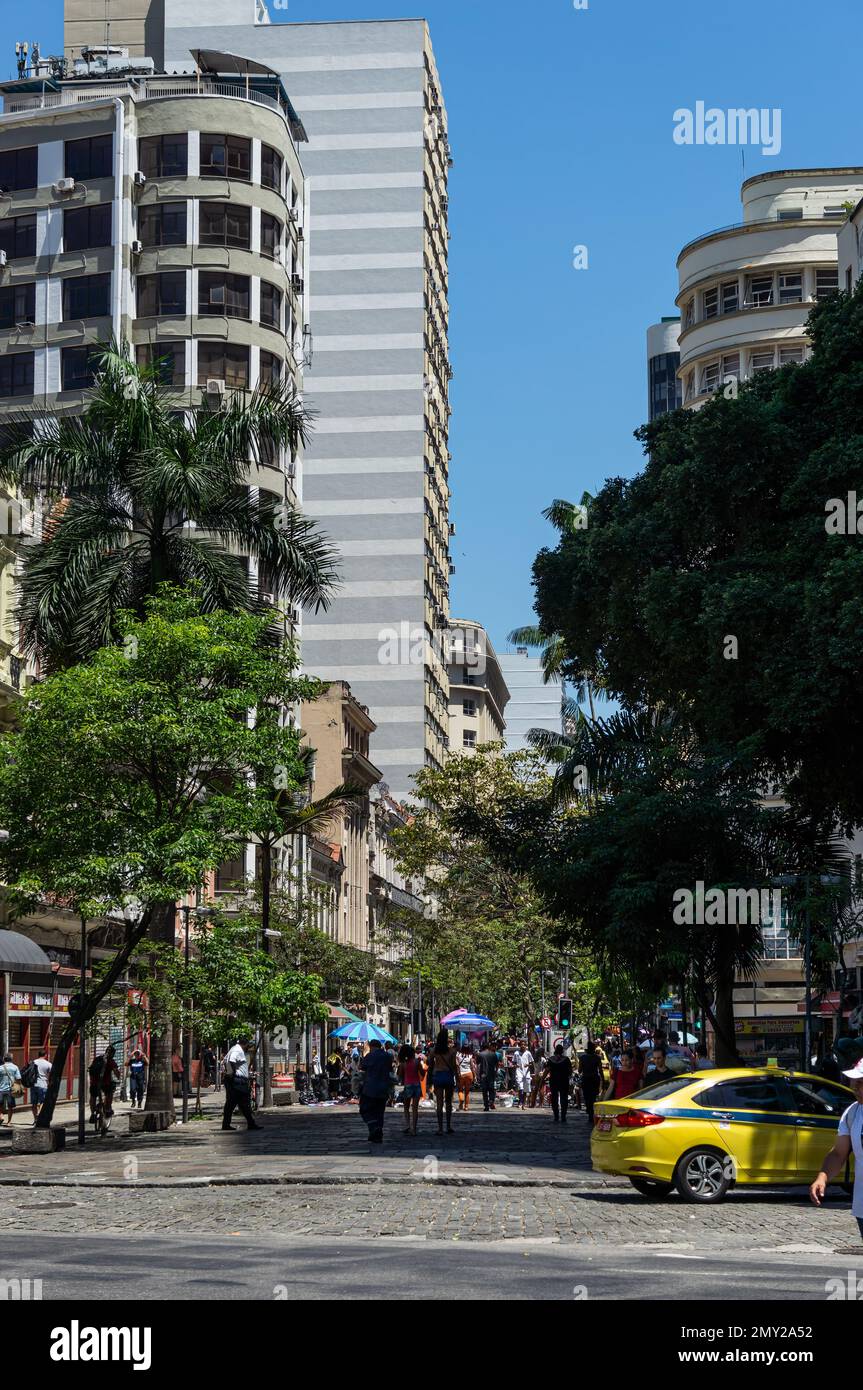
[139,89]
[829,220]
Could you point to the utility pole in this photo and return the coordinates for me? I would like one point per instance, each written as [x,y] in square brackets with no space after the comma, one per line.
[82,1045]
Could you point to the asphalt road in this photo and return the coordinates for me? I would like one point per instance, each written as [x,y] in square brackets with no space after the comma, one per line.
[273,1268]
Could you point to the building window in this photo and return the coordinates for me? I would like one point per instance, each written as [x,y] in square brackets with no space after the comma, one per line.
[689,314]
[220,293]
[270,372]
[231,876]
[225,224]
[223,361]
[16,373]
[730,297]
[271,236]
[790,354]
[162,224]
[18,169]
[689,393]
[731,365]
[790,214]
[85,227]
[271,305]
[86,296]
[469,738]
[710,376]
[791,287]
[77,368]
[271,168]
[164,156]
[759,292]
[18,237]
[762,361]
[710,303]
[90,159]
[826,283]
[17,305]
[468,676]
[226,156]
[169,360]
[468,708]
[162,295]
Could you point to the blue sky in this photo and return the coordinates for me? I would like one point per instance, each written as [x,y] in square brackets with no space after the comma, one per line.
[561,124]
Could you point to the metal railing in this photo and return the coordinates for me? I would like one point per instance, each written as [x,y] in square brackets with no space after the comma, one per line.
[827,218]
[139,89]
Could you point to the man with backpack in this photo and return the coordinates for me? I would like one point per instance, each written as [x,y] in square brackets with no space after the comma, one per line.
[35,1075]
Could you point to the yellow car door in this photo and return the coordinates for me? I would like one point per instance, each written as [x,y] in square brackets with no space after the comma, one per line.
[818,1107]
[751,1117]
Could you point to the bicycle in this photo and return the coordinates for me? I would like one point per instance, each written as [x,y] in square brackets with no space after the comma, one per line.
[100,1118]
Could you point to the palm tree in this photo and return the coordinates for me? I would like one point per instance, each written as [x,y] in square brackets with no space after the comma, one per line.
[137,493]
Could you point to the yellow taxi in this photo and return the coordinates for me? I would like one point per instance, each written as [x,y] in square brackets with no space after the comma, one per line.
[705,1132]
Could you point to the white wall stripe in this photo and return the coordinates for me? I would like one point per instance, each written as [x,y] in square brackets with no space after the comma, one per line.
[368,342]
[365,221]
[347,62]
[341,302]
[390,588]
[408,382]
[387,260]
[347,632]
[394,465]
[340,672]
[332,183]
[359,101]
[377,140]
[384,547]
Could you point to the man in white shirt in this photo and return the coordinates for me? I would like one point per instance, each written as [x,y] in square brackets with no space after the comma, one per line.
[237,1089]
[848,1137]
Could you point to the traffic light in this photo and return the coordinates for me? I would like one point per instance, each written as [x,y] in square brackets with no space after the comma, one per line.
[564,1013]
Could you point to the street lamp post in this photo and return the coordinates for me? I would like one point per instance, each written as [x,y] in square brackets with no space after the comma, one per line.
[82,1046]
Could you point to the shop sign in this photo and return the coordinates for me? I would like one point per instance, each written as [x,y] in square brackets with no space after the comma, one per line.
[759,1026]
[37,1001]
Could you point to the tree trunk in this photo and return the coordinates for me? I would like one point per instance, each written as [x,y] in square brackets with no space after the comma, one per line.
[722,1015]
[77,1024]
[160,1089]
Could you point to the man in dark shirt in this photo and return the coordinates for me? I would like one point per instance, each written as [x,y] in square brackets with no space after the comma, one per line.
[376,1068]
[558,1073]
[591,1078]
[488,1064]
[657,1070]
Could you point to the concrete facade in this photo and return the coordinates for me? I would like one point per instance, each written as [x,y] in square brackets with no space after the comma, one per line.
[376,472]
[478,693]
[533,704]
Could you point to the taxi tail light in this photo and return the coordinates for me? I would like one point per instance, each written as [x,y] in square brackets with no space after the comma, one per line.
[637,1119]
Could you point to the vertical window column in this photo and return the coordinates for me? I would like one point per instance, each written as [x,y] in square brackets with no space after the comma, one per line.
[254,350]
[255,299]
[256,228]
[52,162]
[809,284]
[255,169]
[194,167]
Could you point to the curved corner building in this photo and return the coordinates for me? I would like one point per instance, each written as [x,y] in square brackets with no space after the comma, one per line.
[746,290]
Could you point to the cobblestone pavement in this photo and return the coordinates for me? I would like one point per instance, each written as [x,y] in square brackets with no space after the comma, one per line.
[329,1144]
[750,1222]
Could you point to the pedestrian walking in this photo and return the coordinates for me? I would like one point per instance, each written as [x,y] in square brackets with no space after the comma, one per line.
[626,1079]
[208,1063]
[36,1075]
[591,1078]
[356,1074]
[849,1139]
[334,1073]
[177,1072]
[466,1077]
[488,1065]
[443,1074]
[657,1069]
[137,1068]
[523,1073]
[11,1089]
[316,1075]
[558,1074]
[389,1049]
[237,1087]
[539,1079]
[409,1076]
[376,1070]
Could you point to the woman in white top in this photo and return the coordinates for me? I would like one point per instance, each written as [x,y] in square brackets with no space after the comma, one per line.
[848,1137]
[523,1069]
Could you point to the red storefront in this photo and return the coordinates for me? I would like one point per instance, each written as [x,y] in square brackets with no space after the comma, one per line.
[34,1003]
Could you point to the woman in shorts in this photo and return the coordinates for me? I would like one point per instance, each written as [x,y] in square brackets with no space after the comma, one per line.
[409,1076]
[443,1074]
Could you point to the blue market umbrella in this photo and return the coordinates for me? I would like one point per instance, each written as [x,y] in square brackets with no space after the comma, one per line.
[362,1031]
[467,1023]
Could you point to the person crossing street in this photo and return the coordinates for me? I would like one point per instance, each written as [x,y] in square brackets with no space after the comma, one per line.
[237,1087]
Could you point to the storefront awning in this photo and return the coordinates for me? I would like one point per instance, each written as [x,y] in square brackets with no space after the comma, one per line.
[19,954]
[342,1015]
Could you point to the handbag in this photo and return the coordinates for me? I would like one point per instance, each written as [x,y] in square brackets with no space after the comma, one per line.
[17,1090]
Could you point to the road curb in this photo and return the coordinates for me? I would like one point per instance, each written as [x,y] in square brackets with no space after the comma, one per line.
[332,1180]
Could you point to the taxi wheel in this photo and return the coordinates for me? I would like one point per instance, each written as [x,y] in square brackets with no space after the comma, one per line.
[649,1187]
[701,1176]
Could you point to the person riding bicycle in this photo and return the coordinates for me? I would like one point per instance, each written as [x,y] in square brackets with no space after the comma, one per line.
[104,1075]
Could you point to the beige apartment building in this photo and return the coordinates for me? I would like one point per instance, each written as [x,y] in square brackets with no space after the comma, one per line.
[478,691]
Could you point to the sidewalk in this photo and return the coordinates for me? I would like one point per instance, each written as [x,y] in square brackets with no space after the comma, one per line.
[321,1146]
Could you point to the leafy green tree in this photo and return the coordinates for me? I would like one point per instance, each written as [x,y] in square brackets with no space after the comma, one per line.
[137,495]
[130,776]
[725,581]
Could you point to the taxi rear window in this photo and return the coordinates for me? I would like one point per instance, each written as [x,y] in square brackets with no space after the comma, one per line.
[660,1089]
